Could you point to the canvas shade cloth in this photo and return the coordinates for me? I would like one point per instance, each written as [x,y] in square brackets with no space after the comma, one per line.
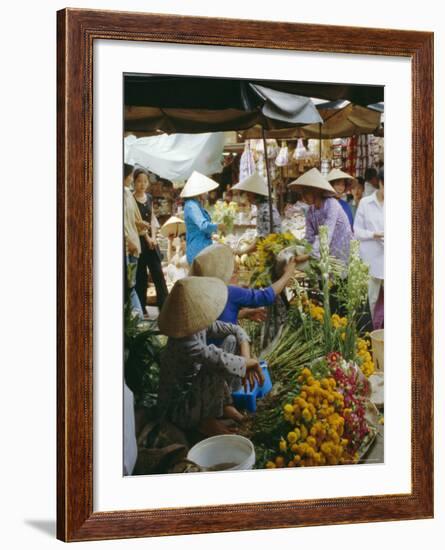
[188,92]
[348,121]
[175,157]
[269,108]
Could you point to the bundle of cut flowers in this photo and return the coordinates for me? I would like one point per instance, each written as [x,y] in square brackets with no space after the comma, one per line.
[224,213]
[326,418]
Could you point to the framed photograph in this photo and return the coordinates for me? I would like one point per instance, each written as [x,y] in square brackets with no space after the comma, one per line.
[228,267]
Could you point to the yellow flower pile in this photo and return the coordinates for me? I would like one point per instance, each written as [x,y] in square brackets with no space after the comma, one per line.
[338,322]
[367,365]
[316,312]
[316,416]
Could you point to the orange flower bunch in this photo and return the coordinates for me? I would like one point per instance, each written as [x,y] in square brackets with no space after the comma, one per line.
[316,417]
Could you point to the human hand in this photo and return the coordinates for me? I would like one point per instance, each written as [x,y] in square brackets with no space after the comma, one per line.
[151,242]
[141,224]
[258,315]
[132,248]
[290,267]
[379,236]
[254,373]
[302,258]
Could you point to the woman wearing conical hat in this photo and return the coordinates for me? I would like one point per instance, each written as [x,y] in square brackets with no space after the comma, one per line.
[324,209]
[342,183]
[218,261]
[256,190]
[199,226]
[193,390]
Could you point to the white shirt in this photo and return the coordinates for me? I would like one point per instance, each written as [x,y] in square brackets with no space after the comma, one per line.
[369,219]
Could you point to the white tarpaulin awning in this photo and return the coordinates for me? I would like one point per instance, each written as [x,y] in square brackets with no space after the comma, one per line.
[175,156]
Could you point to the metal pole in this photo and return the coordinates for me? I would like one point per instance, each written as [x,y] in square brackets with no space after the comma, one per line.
[319,137]
[269,183]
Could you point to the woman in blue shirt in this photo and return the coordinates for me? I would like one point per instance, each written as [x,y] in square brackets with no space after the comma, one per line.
[218,261]
[341,182]
[198,224]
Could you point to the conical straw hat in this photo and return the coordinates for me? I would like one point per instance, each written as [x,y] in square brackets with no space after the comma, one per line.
[197,184]
[253,184]
[193,304]
[174,226]
[336,174]
[216,260]
[313,178]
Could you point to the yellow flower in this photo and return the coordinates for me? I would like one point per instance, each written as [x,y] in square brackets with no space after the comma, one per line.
[283,445]
[279,461]
[288,408]
[292,437]
[270,464]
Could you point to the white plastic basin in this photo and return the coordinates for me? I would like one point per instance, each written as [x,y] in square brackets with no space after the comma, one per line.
[224,452]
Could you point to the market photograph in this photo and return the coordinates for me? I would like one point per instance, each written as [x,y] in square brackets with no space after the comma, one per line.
[253,274]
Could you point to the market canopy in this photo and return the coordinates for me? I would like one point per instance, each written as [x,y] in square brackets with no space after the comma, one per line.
[187,92]
[345,122]
[174,157]
[165,104]
[349,121]
[267,107]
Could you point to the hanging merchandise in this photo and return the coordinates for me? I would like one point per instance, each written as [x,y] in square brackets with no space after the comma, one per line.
[370,141]
[300,152]
[272,148]
[313,150]
[259,146]
[283,155]
[337,151]
[247,162]
[260,167]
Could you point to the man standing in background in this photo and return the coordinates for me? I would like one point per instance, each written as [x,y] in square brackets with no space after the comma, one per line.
[369,229]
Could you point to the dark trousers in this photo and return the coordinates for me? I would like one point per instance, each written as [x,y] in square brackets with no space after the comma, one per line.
[150,259]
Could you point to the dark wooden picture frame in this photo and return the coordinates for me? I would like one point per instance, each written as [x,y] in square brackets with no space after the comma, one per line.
[77,31]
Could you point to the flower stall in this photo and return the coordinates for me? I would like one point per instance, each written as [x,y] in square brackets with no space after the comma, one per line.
[320,411]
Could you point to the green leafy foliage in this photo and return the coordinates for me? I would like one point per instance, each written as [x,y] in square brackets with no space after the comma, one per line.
[142,358]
